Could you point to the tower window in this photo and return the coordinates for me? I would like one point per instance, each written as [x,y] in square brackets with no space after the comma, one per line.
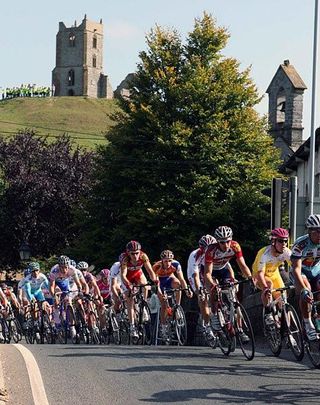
[281,106]
[94,42]
[94,62]
[72,40]
[71,78]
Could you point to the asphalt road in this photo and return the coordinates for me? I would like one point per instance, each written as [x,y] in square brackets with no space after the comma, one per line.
[149,375]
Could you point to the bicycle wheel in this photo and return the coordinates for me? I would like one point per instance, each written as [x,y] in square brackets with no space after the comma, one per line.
[294,331]
[115,328]
[14,330]
[225,335]
[180,325]
[47,331]
[144,329]
[244,332]
[273,335]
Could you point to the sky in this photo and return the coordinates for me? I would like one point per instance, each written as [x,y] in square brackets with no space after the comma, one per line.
[263,33]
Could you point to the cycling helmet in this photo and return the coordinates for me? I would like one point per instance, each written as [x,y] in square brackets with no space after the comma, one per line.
[34,266]
[167,254]
[313,221]
[133,245]
[82,266]
[223,233]
[206,240]
[64,261]
[279,233]
[104,273]
[73,263]
[26,272]
[3,286]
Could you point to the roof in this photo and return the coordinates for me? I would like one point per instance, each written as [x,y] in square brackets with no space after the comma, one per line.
[292,75]
[301,154]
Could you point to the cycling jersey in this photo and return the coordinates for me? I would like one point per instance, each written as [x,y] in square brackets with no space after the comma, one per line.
[63,279]
[32,286]
[196,265]
[115,272]
[309,253]
[104,289]
[269,264]
[218,258]
[165,275]
[134,270]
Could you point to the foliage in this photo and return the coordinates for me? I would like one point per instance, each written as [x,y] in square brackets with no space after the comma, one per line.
[42,182]
[189,152]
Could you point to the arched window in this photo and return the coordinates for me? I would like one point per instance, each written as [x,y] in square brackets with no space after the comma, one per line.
[71,78]
[94,42]
[94,61]
[281,106]
[72,40]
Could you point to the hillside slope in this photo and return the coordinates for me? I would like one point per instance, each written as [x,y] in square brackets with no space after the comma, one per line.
[84,120]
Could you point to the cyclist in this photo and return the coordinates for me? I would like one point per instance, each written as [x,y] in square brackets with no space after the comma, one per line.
[132,261]
[21,291]
[95,292]
[104,284]
[306,271]
[217,270]
[60,275]
[266,268]
[10,295]
[115,285]
[170,276]
[196,280]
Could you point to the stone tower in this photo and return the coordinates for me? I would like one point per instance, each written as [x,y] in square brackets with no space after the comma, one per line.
[285,109]
[79,61]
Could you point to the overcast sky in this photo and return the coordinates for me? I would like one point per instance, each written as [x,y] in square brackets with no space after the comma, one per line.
[263,34]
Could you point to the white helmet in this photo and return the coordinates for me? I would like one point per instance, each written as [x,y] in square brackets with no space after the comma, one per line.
[223,233]
[206,240]
[313,221]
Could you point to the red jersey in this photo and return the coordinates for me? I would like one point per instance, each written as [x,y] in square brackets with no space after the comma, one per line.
[104,288]
[125,260]
[218,258]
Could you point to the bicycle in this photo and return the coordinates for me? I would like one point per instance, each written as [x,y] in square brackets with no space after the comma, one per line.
[286,324]
[234,321]
[205,295]
[176,324]
[313,347]
[112,330]
[142,316]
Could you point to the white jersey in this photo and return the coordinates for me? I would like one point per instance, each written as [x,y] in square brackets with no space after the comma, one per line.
[72,284]
[195,262]
[115,272]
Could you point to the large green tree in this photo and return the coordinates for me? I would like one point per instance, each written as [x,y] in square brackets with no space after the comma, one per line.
[189,151]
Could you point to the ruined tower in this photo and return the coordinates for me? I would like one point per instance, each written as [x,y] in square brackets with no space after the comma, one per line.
[79,61]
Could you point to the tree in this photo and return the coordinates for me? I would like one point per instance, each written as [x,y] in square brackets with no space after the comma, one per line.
[42,182]
[189,151]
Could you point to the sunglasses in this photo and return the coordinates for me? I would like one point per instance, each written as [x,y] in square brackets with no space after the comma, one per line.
[134,253]
[282,240]
[224,241]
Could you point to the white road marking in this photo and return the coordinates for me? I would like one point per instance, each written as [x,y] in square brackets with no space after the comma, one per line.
[37,387]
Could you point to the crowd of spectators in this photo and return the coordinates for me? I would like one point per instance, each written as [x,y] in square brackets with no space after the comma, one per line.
[25,90]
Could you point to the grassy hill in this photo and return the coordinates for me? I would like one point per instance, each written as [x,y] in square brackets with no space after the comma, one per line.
[84,120]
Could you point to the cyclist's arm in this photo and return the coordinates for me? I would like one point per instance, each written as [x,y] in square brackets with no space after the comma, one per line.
[124,271]
[52,287]
[208,274]
[114,285]
[3,298]
[261,277]
[152,274]
[96,289]
[243,267]
[296,270]
[180,277]
[81,284]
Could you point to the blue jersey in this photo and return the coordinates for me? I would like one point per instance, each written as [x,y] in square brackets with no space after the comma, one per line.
[33,285]
[309,253]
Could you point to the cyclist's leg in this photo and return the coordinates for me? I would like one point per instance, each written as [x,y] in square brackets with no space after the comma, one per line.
[175,283]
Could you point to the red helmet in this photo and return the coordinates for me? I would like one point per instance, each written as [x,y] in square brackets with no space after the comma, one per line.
[133,245]
[280,233]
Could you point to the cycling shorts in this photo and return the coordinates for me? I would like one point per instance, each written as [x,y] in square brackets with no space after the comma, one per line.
[222,274]
[165,283]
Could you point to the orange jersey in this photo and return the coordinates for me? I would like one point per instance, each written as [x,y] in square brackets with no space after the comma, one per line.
[160,271]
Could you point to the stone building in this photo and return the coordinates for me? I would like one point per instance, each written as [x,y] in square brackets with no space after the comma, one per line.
[286,109]
[79,61]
